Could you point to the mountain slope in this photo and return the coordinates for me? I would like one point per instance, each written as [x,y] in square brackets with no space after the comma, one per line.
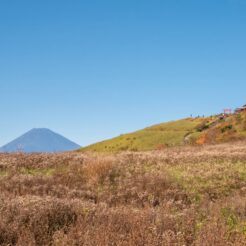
[230,128]
[40,140]
[158,136]
[195,131]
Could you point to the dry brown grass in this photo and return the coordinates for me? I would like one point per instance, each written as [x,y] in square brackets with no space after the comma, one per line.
[178,196]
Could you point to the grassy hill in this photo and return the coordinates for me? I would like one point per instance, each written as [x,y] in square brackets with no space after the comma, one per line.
[195,131]
[231,128]
[158,136]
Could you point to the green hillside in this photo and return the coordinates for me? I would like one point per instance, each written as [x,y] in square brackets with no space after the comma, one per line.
[195,131]
[158,136]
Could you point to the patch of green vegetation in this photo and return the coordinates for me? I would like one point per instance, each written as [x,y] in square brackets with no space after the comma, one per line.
[38,171]
[240,169]
[202,127]
[233,220]
[204,178]
[3,173]
[167,134]
[226,128]
[179,125]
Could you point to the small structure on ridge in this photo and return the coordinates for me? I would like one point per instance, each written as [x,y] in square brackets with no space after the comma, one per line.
[242,109]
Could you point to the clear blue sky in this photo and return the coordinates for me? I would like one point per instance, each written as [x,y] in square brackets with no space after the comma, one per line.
[94,69]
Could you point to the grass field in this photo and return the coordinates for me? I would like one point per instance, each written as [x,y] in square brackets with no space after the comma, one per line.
[151,138]
[175,196]
[192,131]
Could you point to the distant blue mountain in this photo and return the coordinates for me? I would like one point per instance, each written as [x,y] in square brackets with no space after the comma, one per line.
[40,140]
